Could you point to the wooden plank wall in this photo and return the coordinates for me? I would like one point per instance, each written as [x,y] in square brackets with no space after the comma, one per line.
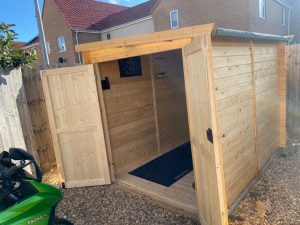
[13,109]
[246,76]
[130,115]
[267,100]
[39,118]
[234,93]
[293,89]
[170,99]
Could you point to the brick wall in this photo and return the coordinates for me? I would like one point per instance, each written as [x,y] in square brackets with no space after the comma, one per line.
[56,26]
[234,14]
[295,21]
[272,23]
[228,14]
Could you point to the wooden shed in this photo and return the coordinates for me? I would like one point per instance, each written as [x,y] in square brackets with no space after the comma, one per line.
[139,98]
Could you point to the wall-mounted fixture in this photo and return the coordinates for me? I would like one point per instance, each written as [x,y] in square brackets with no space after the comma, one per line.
[62,60]
[161,75]
[105,84]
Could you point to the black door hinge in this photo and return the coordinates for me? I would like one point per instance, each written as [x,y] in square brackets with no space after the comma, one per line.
[209,134]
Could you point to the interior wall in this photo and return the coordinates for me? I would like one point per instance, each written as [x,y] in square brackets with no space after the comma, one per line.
[130,115]
[169,91]
[248,111]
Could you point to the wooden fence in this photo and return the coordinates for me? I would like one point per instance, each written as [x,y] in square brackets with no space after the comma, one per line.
[39,118]
[15,122]
[293,89]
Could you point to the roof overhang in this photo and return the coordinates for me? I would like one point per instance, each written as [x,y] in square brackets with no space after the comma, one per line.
[30,46]
[284,3]
[127,24]
[87,31]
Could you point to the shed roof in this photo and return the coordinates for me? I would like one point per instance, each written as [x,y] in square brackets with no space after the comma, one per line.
[229,33]
[144,44]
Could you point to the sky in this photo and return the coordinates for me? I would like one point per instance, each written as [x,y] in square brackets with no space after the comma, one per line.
[22,14]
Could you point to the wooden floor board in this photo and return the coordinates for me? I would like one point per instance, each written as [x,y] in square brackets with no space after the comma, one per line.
[180,195]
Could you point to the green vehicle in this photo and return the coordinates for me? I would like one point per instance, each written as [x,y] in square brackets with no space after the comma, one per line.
[23,198]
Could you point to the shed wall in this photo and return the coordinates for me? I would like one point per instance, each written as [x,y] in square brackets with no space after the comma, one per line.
[267,100]
[169,92]
[246,79]
[130,115]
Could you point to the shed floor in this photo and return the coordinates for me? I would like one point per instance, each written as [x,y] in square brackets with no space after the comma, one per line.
[180,195]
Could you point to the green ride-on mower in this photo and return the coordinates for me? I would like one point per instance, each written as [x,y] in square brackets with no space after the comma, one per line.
[23,198]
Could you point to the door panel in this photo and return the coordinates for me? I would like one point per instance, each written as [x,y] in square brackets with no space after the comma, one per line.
[208,168]
[76,125]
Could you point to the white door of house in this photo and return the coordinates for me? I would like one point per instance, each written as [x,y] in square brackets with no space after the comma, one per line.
[76,125]
[208,171]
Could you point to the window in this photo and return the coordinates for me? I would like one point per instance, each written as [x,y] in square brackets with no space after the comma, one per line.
[108,36]
[61,45]
[130,67]
[262,9]
[283,16]
[34,50]
[174,19]
[48,47]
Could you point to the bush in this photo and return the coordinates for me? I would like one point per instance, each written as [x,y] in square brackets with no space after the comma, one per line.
[11,58]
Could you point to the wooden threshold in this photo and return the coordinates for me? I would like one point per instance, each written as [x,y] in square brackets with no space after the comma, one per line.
[179,196]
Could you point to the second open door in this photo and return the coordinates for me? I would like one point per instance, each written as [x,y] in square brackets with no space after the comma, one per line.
[207,161]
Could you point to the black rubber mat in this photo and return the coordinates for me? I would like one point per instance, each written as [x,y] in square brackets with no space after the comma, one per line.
[168,168]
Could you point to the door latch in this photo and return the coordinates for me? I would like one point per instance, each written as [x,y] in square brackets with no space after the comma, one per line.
[209,134]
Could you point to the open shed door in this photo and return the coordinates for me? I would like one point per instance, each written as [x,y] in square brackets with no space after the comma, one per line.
[76,125]
[207,159]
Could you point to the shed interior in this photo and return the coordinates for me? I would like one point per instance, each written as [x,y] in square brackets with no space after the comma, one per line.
[147,117]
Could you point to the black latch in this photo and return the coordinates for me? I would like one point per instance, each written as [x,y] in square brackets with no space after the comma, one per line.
[105,84]
[209,134]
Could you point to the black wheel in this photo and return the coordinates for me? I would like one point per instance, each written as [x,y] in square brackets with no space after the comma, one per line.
[59,221]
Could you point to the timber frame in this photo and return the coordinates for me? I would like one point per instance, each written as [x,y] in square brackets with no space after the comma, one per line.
[197,51]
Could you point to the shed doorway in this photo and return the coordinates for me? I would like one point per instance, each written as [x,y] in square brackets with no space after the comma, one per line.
[148,127]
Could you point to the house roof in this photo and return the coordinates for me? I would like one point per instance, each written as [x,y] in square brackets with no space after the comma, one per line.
[125,16]
[81,15]
[34,40]
[17,44]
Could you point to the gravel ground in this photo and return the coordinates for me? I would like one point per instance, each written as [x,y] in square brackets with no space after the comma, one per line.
[112,205]
[273,200]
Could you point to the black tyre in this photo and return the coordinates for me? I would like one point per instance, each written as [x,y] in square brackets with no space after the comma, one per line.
[59,221]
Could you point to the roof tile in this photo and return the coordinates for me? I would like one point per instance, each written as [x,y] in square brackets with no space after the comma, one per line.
[82,14]
[125,16]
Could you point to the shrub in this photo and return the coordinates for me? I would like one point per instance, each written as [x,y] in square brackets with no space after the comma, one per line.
[11,58]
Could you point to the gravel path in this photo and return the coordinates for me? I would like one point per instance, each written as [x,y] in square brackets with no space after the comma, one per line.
[273,200]
[112,205]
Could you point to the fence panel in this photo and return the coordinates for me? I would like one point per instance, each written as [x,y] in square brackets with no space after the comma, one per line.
[39,118]
[293,89]
[15,124]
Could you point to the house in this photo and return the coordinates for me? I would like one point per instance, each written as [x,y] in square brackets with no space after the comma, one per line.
[67,23]
[33,44]
[264,16]
[295,18]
